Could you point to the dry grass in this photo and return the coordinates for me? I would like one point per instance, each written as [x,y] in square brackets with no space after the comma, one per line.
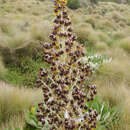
[115,71]
[86,33]
[2,68]
[15,121]
[101,46]
[23,22]
[125,44]
[26,22]
[13,102]
[113,81]
[118,70]
[117,95]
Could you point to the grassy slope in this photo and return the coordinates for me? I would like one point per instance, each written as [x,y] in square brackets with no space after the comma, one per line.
[106,29]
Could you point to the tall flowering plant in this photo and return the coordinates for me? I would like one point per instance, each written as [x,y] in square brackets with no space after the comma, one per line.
[65,93]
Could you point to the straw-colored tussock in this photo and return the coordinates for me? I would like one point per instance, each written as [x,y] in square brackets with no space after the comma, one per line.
[22,23]
[2,68]
[14,101]
[117,95]
[125,44]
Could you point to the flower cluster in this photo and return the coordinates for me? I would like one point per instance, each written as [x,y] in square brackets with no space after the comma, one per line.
[65,92]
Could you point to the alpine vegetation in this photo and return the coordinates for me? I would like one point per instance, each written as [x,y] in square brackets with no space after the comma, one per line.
[66,92]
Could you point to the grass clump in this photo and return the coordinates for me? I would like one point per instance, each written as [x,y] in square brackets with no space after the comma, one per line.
[14,101]
[125,44]
[86,34]
[2,68]
[108,71]
[101,46]
[118,96]
[15,122]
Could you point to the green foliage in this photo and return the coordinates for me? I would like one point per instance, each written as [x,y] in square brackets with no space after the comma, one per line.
[25,72]
[12,129]
[31,120]
[107,115]
[73,4]
[94,1]
[95,60]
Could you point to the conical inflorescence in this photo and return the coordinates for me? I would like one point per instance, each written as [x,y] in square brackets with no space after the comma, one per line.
[65,93]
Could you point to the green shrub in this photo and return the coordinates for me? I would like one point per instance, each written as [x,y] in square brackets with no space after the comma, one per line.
[73,4]
[25,72]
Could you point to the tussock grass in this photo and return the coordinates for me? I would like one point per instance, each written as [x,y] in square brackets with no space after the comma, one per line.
[27,22]
[14,101]
[107,22]
[103,36]
[86,33]
[116,71]
[15,121]
[113,84]
[117,95]
[101,46]
[125,44]
[23,23]
[111,71]
[38,33]
[2,68]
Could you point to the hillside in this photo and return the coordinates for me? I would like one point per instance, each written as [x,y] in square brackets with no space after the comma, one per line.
[104,29]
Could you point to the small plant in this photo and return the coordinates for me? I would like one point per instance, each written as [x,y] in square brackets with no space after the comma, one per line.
[64,84]
[95,60]
[31,120]
[106,115]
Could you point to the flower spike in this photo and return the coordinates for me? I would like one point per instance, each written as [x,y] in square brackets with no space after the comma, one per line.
[65,93]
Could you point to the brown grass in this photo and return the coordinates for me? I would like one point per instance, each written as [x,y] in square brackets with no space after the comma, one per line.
[125,44]
[13,102]
[2,68]
[117,95]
